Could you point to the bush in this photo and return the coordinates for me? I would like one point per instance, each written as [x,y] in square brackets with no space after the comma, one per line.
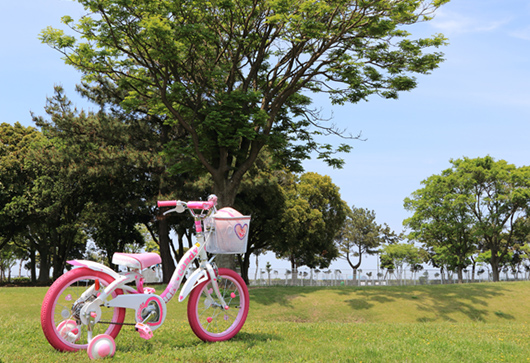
[16,281]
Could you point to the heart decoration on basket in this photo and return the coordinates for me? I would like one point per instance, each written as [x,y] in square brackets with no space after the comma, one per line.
[241,230]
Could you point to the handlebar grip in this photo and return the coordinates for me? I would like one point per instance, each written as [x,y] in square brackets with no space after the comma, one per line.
[200,205]
[167,203]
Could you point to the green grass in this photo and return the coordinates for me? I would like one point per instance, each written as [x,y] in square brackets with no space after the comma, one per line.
[451,323]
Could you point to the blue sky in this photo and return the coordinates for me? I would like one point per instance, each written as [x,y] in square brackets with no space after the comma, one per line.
[477,103]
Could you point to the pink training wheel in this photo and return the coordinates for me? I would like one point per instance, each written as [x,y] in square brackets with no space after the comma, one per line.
[101,346]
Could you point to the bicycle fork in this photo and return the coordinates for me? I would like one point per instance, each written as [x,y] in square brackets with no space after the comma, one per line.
[213,276]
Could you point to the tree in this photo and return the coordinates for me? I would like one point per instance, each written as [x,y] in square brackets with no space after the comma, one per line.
[361,235]
[497,194]
[268,268]
[473,205]
[397,255]
[8,256]
[119,156]
[262,196]
[521,250]
[15,142]
[109,161]
[442,222]
[41,202]
[313,216]
[235,75]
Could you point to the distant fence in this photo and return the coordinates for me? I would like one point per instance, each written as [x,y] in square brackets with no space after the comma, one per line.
[347,277]
[368,277]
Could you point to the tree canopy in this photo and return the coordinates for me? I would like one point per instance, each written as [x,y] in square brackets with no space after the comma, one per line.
[237,75]
[313,215]
[476,205]
[442,222]
[362,235]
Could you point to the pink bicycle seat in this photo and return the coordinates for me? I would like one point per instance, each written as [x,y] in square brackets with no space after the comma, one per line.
[138,261]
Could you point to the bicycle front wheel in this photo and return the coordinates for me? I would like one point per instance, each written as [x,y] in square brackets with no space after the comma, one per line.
[208,319]
[62,304]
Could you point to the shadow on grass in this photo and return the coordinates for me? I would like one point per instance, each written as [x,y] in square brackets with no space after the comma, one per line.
[254,338]
[436,302]
[505,316]
[249,340]
[278,295]
[427,303]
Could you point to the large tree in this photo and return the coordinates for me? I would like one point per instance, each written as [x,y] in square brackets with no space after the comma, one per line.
[443,223]
[16,180]
[263,197]
[499,193]
[44,200]
[361,235]
[115,156]
[236,75]
[395,256]
[314,214]
[475,201]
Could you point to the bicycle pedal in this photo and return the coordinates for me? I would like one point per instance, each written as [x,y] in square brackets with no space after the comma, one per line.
[149,290]
[144,330]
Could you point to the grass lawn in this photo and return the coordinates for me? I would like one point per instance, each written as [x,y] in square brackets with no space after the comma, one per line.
[451,323]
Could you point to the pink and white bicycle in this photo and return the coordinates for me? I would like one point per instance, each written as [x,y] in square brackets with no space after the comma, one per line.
[85,307]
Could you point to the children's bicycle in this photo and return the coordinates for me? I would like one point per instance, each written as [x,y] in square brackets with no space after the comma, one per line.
[85,307]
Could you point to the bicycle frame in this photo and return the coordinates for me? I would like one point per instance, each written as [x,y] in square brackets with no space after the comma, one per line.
[137,299]
[205,268]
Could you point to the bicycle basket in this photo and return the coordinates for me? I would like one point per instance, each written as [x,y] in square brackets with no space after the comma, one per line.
[230,232]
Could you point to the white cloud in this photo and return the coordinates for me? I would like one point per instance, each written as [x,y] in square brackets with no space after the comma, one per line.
[523,33]
[455,23]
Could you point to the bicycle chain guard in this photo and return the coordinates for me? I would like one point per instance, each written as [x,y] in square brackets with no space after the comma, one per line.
[149,309]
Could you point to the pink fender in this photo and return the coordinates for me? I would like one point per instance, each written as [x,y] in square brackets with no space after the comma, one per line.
[197,277]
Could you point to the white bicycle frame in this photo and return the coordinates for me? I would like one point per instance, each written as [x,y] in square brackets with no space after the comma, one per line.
[138,299]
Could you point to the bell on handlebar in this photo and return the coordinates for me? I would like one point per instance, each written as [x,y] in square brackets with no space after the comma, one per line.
[180,208]
[212,198]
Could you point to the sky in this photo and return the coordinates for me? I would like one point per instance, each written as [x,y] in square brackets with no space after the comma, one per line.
[476,103]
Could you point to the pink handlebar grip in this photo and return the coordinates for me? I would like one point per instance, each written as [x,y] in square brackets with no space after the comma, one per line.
[200,205]
[167,203]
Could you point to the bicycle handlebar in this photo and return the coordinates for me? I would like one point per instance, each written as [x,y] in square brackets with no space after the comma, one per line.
[200,205]
[190,205]
[167,203]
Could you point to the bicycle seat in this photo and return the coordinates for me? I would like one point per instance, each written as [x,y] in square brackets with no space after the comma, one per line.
[138,261]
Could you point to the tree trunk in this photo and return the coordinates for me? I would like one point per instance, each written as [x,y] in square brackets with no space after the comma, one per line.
[460,275]
[257,267]
[495,273]
[168,264]
[226,195]
[180,251]
[44,268]
[354,266]
[294,275]
[494,262]
[244,262]
[59,262]
[33,263]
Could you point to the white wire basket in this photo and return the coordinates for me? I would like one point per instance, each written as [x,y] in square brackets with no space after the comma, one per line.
[229,233]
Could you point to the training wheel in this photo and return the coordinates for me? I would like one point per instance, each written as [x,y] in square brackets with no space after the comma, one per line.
[101,346]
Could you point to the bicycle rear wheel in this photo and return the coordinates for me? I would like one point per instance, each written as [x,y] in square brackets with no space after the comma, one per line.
[60,319]
[208,319]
